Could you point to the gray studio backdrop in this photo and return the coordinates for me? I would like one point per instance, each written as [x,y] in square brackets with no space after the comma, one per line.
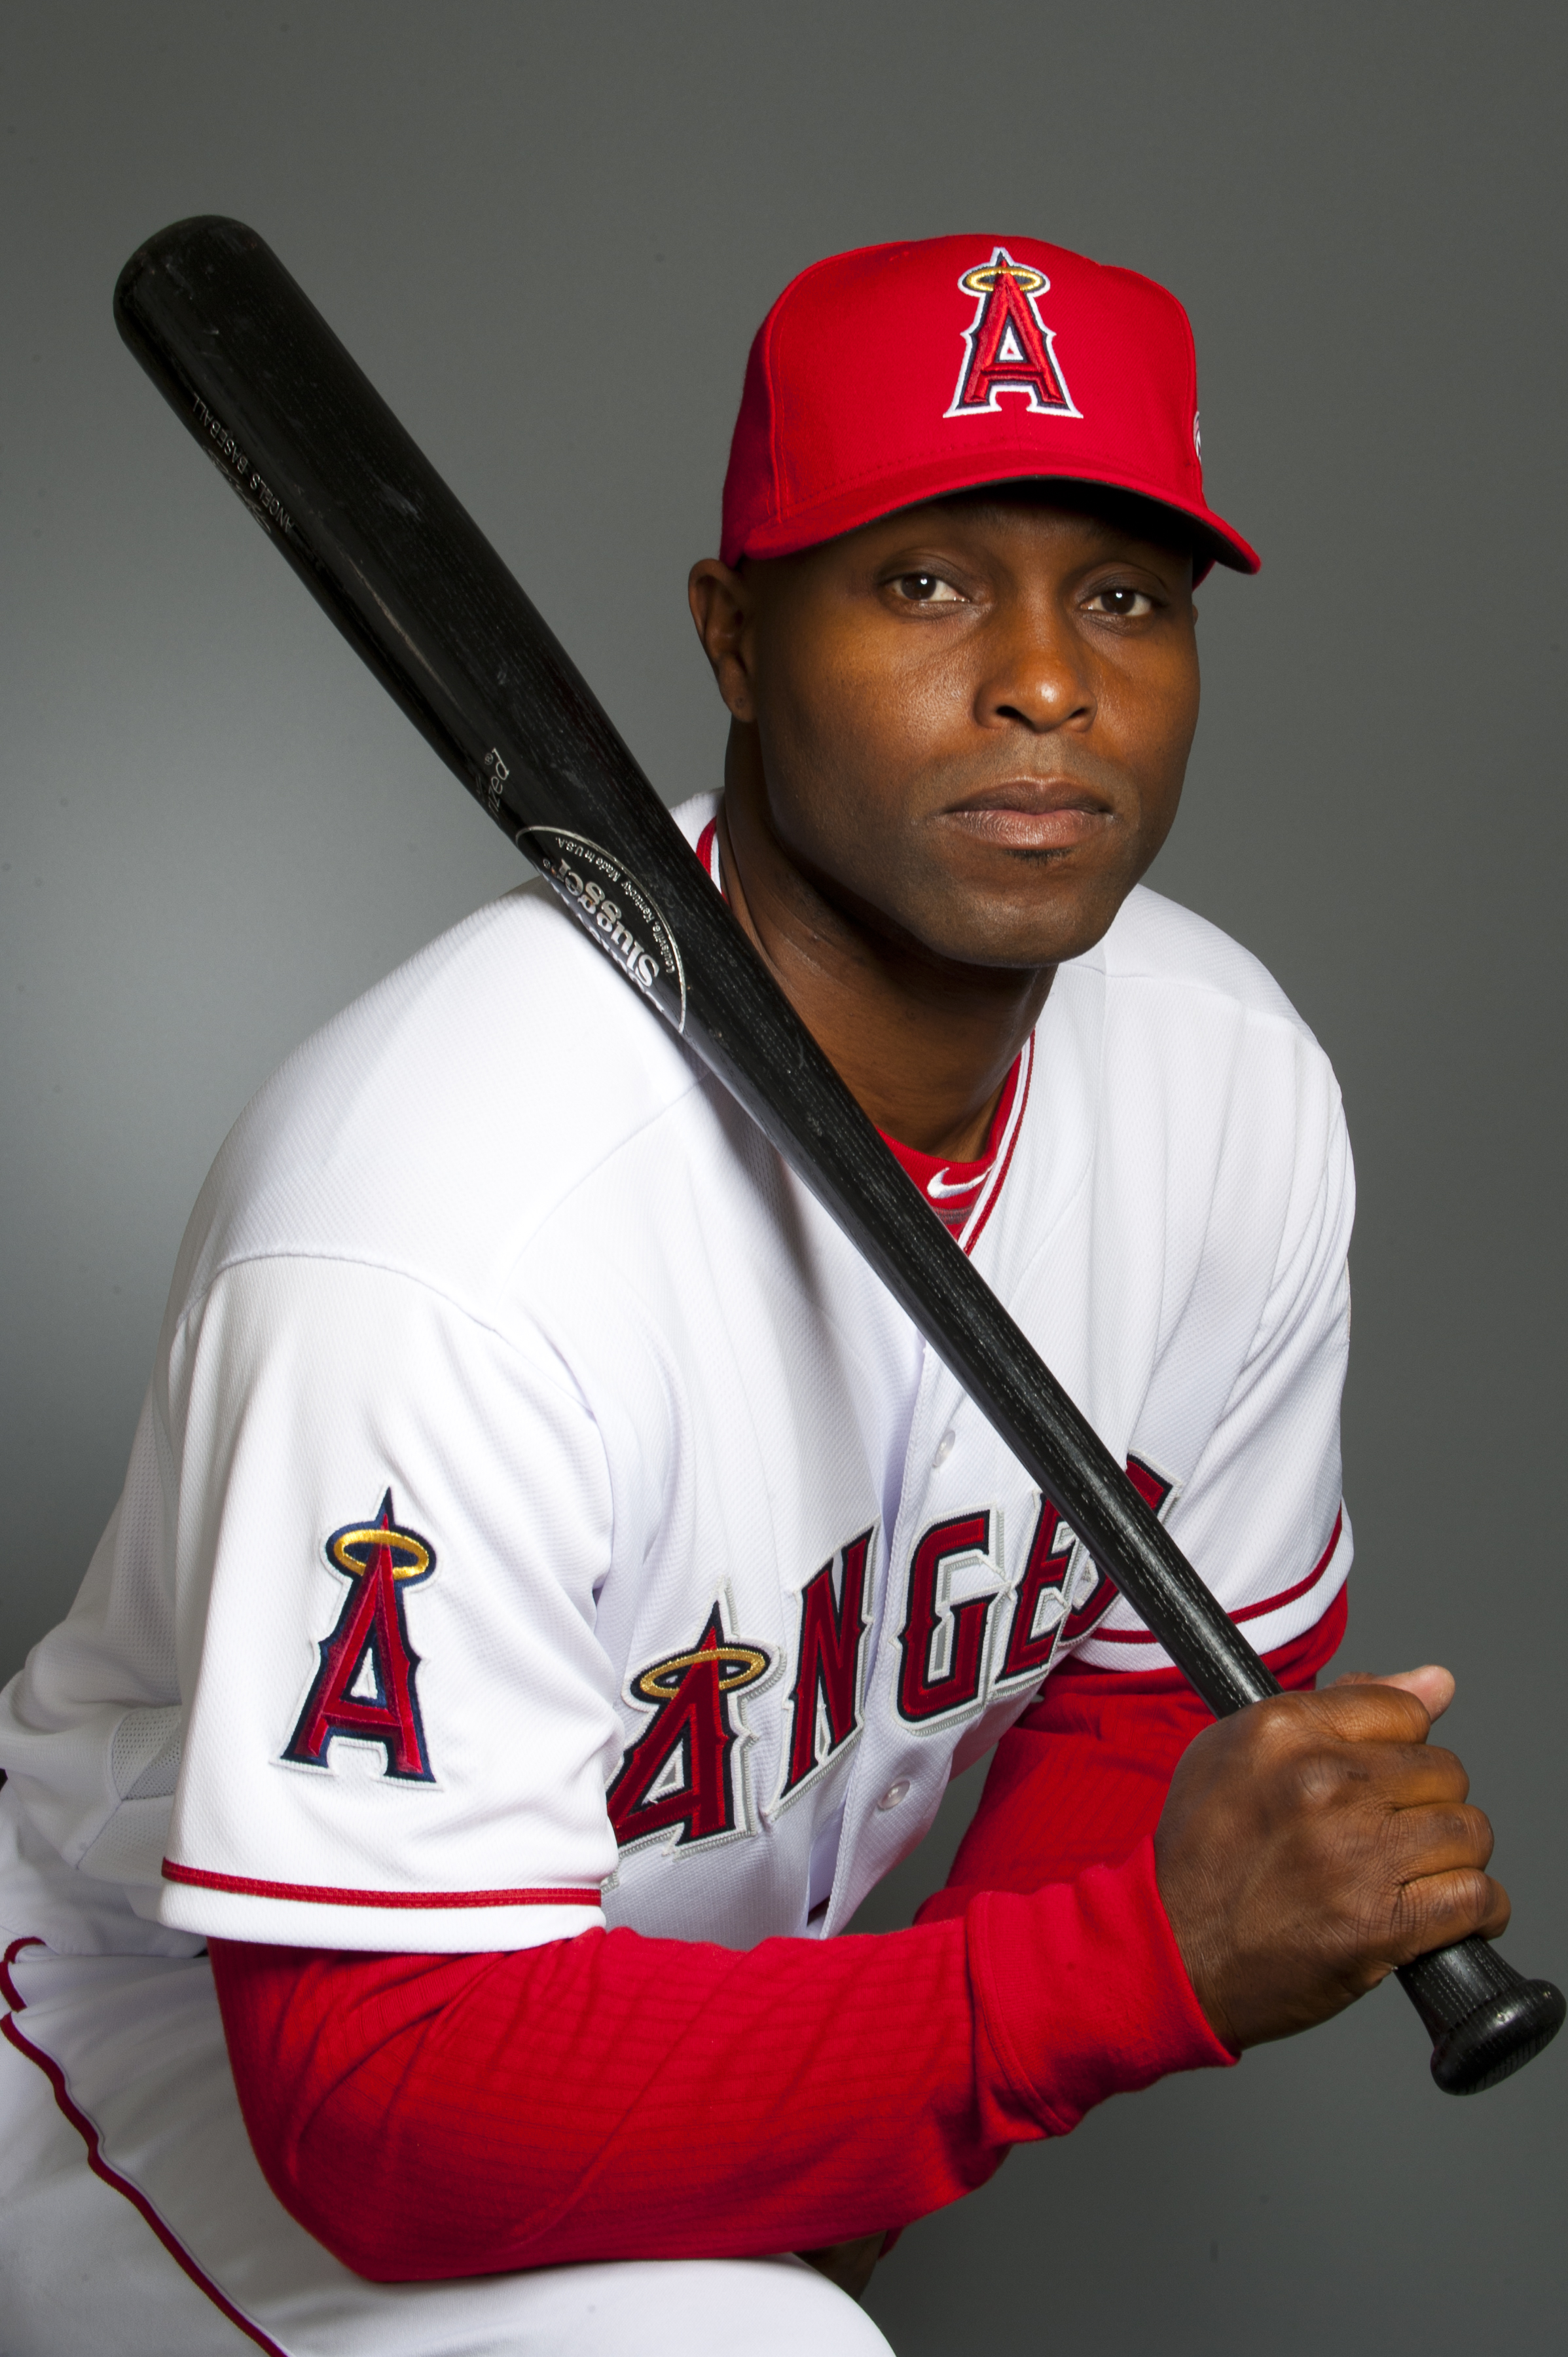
[548,231]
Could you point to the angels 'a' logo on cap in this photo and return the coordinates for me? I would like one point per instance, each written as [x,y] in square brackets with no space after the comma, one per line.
[1008,349]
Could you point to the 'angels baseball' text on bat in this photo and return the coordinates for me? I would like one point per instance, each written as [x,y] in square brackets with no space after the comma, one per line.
[265,387]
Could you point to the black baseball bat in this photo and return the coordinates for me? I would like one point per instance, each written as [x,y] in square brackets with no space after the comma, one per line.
[300,433]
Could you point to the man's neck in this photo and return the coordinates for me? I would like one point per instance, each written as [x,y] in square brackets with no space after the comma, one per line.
[925,1045]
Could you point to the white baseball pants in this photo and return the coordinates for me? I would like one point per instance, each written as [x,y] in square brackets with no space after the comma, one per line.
[133,2218]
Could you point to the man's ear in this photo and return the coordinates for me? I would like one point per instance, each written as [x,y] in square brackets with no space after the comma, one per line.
[721,607]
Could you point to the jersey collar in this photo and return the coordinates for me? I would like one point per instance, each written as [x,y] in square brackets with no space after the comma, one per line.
[961,1194]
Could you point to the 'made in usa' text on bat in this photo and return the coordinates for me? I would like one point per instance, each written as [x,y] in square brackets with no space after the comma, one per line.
[260,379]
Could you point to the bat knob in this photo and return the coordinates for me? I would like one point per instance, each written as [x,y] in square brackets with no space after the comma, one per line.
[1486,2020]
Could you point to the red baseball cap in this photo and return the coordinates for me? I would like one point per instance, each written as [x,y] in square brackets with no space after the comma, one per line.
[899,373]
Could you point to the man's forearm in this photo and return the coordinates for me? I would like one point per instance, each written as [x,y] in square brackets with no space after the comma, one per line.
[614,2096]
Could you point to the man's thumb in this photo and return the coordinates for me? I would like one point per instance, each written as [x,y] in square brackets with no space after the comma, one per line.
[1432,1687]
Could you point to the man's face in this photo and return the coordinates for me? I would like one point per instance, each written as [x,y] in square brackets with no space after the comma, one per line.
[971,719]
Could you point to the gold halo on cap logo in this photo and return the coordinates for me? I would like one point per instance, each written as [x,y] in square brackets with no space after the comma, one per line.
[981,280]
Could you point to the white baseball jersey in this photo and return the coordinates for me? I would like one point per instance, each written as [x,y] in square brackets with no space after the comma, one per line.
[540,1514]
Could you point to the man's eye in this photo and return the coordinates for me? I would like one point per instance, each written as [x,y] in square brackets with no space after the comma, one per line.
[925,589]
[1127,604]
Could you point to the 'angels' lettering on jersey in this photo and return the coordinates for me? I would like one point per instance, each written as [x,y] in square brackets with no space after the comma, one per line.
[1039,1606]
[941,1644]
[684,1780]
[364,1686]
[685,1777]
[1060,1597]
[826,1701]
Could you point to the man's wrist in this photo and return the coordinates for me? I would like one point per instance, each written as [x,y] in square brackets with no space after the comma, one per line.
[1081,1993]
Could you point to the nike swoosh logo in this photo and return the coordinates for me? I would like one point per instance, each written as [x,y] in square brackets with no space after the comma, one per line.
[965,1186]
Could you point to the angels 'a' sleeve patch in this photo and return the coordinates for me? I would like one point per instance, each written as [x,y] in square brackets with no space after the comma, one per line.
[365,1685]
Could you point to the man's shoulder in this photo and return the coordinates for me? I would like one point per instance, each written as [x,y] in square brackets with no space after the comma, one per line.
[1158,941]
[438,1123]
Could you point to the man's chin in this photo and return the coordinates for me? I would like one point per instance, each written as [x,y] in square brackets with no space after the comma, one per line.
[1020,939]
[1019,925]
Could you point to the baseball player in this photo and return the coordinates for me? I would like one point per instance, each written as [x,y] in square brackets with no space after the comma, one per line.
[553,1581]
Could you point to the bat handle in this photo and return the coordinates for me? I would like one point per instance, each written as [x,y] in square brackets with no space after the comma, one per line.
[1486,2020]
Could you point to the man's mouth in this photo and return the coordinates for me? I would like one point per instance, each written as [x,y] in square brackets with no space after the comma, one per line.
[1034,814]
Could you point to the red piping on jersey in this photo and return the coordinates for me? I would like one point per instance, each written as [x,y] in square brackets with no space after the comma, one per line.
[1003,1133]
[1245,1612]
[8,1989]
[322,1895]
[87,2130]
[1025,1068]
[979,1179]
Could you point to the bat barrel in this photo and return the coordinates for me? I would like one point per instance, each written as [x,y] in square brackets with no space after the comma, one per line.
[353,505]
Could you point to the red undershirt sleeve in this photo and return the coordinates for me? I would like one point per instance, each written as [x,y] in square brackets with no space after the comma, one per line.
[614,2096]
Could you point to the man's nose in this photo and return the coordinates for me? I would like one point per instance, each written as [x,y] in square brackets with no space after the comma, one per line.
[1039,675]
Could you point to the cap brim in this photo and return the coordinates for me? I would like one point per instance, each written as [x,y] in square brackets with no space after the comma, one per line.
[854,505]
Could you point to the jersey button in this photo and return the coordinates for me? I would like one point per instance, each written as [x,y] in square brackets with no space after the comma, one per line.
[895,1793]
[944,1448]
